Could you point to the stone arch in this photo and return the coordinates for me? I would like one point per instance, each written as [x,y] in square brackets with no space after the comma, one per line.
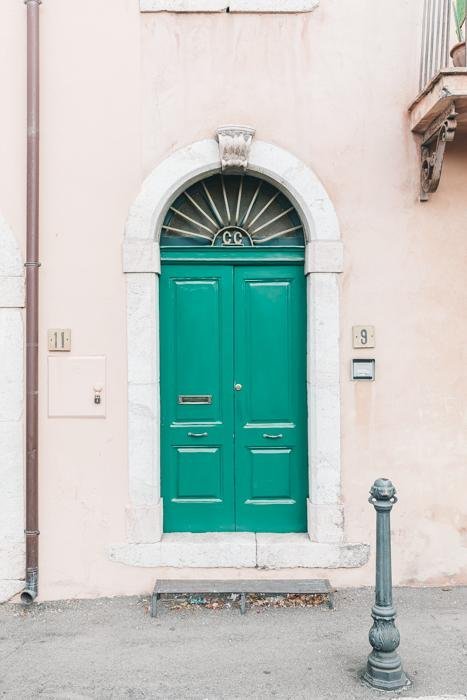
[201,159]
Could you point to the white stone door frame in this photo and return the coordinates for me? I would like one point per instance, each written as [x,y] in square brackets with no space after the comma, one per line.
[146,545]
[12,543]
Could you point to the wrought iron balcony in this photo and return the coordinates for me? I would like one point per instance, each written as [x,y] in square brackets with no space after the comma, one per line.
[440,109]
[435,39]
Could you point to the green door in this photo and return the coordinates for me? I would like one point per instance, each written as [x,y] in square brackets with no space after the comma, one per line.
[270,409]
[233,397]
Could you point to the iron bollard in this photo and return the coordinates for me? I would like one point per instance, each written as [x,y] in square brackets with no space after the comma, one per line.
[384,668]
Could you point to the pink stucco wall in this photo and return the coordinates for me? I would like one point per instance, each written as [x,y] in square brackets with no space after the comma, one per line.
[120,91]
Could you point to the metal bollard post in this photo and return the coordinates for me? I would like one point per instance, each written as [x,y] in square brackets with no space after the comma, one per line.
[384,669]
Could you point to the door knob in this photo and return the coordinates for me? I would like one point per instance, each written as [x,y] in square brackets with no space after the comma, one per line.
[238,387]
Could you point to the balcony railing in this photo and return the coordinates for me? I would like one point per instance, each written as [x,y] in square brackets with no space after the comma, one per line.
[440,109]
[435,39]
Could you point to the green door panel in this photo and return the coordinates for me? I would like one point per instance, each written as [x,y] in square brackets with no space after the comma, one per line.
[206,463]
[196,316]
[238,461]
[270,410]
[270,474]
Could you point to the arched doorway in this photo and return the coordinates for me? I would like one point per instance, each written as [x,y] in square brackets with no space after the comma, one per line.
[233,359]
[146,544]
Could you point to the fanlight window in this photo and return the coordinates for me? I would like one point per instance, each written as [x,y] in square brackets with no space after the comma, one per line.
[232,210]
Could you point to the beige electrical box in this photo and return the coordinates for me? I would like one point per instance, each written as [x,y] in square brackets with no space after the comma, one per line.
[59,339]
[77,387]
[363,336]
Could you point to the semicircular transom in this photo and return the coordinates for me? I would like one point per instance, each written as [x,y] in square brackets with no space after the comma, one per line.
[232,210]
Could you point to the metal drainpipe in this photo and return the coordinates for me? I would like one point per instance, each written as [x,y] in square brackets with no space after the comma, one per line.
[32,265]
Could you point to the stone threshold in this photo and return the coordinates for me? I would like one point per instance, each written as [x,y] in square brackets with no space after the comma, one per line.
[239,550]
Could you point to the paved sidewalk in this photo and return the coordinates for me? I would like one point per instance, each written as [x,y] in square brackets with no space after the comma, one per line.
[113,649]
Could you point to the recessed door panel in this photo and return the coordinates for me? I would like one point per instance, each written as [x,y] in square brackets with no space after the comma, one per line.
[197,348]
[199,474]
[264,319]
[271,475]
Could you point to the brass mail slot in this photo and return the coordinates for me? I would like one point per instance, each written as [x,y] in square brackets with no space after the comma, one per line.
[206,399]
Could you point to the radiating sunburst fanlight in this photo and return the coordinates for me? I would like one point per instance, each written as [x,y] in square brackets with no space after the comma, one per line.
[232,210]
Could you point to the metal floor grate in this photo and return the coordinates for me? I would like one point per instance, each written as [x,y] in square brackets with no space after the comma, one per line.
[242,588]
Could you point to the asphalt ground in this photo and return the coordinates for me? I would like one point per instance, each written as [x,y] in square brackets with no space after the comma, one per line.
[112,648]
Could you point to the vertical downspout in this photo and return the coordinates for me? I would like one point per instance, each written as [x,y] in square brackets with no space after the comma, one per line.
[32,298]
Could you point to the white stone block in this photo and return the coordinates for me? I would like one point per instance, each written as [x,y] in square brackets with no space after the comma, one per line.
[11,364]
[323,329]
[144,523]
[324,418]
[136,554]
[11,480]
[325,522]
[12,558]
[184,5]
[12,543]
[239,550]
[141,255]
[325,486]
[324,448]
[11,449]
[209,549]
[142,330]
[353,555]
[232,5]
[324,256]
[186,549]
[296,550]
[143,444]
[12,292]
[11,264]
[272,5]
[325,415]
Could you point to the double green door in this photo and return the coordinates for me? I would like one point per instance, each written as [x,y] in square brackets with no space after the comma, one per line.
[233,398]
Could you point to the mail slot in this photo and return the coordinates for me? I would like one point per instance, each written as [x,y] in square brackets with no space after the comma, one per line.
[195,400]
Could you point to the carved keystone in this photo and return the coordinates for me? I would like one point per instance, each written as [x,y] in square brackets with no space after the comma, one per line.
[234,146]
